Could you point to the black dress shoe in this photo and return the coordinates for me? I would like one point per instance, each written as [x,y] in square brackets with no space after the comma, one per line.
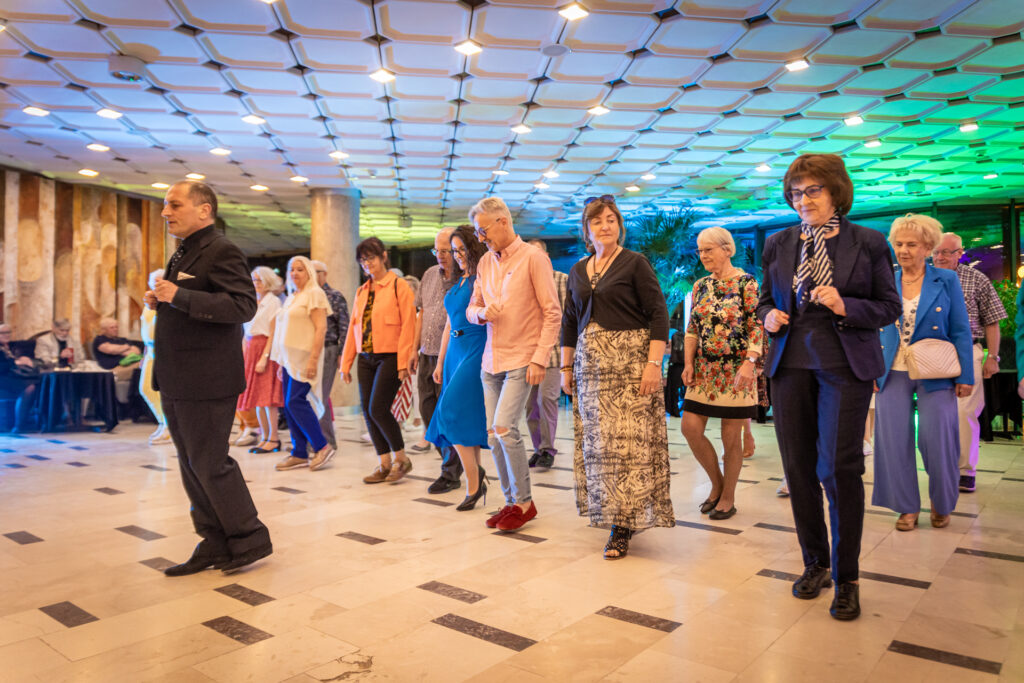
[443,485]
[545,460]
[533,459]
[810,583]
[196,564]
[846,604]
[246,558]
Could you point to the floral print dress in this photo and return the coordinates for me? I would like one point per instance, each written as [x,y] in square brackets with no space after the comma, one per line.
[723,321]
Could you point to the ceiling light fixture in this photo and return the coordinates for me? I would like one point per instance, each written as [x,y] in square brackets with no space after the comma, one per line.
[382,76]
[764,168]
[798,65]
[338,154]
[97,147]
[500,172]
[35,111]
[573,11]
[468,48]
[648,176]
[632,188]
[521,129]
[599,110]
[991,176]
[299,179]
[259,188]
[853,120]
[542,186]
[254,120]
[550,174]
[160,186]
[220,151]
[109,113]
[873,143]
[195,176]
[968,127]
[88,173]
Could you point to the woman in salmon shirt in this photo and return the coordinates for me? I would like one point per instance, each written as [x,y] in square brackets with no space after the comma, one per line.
[382,331]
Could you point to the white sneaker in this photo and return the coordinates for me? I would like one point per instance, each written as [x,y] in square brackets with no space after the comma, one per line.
[365,436]
[783,490]
[868,448]
[162,438]
[246,438]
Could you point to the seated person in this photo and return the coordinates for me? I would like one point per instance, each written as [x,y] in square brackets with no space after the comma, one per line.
[58,348]
[109,350]
[18,380]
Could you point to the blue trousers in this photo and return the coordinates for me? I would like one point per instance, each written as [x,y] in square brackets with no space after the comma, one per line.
[938,439]
[303,424]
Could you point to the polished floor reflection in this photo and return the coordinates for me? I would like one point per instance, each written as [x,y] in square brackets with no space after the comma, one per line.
[389,583]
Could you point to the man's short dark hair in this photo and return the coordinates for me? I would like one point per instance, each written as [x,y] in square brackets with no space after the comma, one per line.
[201,193]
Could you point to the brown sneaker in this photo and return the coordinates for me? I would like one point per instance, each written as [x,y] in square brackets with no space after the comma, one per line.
[321,457]
[291,463]
[378,475]
[399,469]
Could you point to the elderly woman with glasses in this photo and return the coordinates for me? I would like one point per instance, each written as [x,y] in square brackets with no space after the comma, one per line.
[614,332]
[722,348]
[827,290]
[933,309]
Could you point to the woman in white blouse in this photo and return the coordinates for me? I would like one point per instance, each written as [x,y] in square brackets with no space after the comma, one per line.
[263,391]
[297,334]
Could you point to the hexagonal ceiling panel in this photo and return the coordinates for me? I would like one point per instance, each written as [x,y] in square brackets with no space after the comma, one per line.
[700,101]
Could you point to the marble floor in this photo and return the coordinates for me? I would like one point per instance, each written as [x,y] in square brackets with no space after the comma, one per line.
[389,583]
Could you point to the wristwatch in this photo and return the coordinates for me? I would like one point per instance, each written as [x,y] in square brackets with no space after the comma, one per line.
[752,359]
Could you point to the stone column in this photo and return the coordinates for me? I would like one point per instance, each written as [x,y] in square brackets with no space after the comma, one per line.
[333,238]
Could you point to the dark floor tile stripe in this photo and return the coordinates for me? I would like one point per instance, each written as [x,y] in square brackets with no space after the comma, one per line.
[453,592]
[991,471]
[40,458]
[709,527]
[749,481]
[485,632]
[75,463]
[6,450]
[943,657]
[1004,478]
[23,537]
[776,574]
[362,538]
[775,479]
[139,532]
[14,465]
[68,614]
[55,441]
[560,469]
[79,448]
[419,477]
[552,486]
[897,580]
[639,619]
[158,563]
[156,468]
[237,630]
[989,554]
[776,527]
[243,594]
[109,491]
[519,537]
[433,501]
[286,489]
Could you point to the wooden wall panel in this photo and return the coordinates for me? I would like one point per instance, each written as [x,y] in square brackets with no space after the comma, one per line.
[11,181]
[64,252]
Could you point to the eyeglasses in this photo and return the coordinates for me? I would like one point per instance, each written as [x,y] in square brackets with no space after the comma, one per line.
[321,272]
[946,253]
[706,250]
[603,198]
[461,251]
[482,232]
[363,260]
[438,252]
[812,191]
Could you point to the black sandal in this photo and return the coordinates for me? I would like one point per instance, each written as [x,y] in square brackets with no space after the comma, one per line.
[618,542]
[257,449]
[709,505]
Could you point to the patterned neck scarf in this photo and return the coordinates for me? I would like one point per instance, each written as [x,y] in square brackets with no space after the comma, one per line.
[815,267]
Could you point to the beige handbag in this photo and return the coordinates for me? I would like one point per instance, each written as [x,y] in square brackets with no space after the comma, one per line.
[932,359]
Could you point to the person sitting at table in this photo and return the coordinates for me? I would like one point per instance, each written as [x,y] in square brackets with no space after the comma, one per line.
[109,349]
[18,380]
[58,348]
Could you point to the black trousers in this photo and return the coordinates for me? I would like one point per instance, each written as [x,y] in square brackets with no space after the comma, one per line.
[819,424]
[222,509]
[673,385]
[430,392]
[378,386]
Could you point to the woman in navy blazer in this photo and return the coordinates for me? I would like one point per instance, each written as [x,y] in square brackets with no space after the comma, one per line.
[933,308]
[827,289]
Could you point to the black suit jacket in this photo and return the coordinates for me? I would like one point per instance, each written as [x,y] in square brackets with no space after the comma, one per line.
[198,339]
[863,275]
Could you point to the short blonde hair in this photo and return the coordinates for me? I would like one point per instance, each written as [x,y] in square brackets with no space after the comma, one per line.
[492,206]
[271,280]
[925,228]
[719,237]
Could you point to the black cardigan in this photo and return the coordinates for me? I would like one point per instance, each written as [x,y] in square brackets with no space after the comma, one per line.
[627,297]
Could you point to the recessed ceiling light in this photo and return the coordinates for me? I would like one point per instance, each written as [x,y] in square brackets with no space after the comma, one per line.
[338,154]
[35,111]
[97,147]
[468,48]
[991,176]
[542,186]
[259,188]
[254,120]
[521,129]
[160,186]
[632,188]
[382,76]
[764,168]
[88,173]
[220,151]
[109,113]
[648,176]
[798,65]
[853,120]
[550,174]
[573,11]
[968,127]
[599,110]
[500,172]
[299,179]
[195,176]
[873,143]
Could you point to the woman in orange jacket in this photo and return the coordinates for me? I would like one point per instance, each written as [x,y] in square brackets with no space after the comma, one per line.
[381,334]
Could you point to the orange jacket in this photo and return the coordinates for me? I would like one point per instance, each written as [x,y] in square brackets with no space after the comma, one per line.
[393,318]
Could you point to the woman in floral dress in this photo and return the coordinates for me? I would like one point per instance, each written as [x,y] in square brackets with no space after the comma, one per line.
[723,345]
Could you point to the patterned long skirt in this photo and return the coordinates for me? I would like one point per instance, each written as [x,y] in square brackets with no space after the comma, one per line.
[621,460]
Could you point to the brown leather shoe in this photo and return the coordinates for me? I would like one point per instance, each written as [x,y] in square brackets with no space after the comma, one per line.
[378,475]
[907,521]
[940,521]
[399,469]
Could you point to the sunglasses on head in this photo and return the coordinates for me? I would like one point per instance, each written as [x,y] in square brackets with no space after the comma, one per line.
[603,198]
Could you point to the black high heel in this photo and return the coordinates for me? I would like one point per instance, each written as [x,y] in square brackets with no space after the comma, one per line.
[257,449]
[618,543]
[469,502]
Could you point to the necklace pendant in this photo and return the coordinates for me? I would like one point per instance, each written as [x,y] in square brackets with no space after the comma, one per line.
[594,279]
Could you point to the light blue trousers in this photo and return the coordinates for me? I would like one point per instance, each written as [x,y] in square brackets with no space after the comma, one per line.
[505,395]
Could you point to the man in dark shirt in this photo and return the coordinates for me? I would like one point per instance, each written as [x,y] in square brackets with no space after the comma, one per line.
[337,328]
[109,348]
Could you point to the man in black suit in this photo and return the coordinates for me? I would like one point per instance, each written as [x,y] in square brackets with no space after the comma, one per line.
[202,300]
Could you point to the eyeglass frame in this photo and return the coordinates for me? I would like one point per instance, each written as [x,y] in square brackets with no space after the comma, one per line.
[794,196]
[946,253]
[437,252]
[482,232]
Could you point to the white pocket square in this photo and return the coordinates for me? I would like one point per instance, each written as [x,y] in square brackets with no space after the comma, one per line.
[185,276]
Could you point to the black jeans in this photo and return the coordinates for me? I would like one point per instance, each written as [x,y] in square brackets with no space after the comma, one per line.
[673,384]
[430,392]
[378,386]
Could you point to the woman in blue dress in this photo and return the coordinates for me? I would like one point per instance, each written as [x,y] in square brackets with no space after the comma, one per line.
[459,418]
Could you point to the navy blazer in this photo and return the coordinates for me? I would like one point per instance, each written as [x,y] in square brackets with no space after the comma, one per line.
[941,314]
[862,273]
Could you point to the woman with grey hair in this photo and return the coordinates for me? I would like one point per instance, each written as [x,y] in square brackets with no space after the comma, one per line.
[147,328]
[264,392]
[722,348]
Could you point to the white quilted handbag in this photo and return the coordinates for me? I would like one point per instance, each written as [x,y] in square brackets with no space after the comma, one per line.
[932,359]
